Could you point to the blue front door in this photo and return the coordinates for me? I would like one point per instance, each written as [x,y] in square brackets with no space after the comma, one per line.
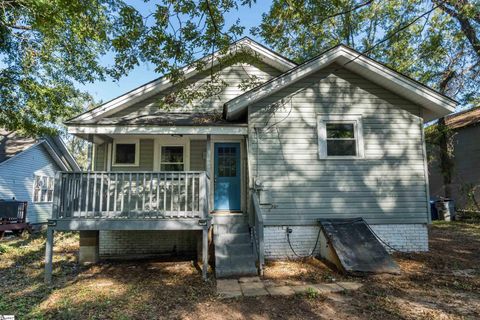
[227,176]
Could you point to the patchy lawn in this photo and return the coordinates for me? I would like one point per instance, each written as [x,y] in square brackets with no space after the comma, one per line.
[441,284]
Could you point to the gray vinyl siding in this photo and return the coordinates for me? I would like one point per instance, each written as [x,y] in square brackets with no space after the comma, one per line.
[232,75]
[146,158]
[197,150]
[466,167]
[99,157]
[17,176]
[387,186]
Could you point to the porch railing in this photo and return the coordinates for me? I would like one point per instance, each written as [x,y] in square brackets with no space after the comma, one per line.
[130,195]
[258,232]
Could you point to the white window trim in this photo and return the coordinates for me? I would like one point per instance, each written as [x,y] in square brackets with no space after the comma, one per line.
[168,141]
[33,193]
[137,152]
[172,145]
[322,120]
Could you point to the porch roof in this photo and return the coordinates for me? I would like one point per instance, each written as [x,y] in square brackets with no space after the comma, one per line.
[162,118]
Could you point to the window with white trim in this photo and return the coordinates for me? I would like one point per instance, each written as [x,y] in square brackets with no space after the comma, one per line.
[126,153]
[340,136]
[172,158]
[43,188]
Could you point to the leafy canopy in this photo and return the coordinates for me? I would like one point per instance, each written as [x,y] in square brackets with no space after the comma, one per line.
[47,47]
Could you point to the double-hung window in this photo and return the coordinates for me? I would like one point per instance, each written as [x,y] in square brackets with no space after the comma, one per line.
[172,158]
[43,188]
[340,136]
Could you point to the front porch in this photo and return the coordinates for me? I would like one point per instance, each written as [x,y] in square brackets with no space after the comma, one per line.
[120,201]
[153,189]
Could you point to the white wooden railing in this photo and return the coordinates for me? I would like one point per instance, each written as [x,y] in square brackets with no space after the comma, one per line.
[130,195]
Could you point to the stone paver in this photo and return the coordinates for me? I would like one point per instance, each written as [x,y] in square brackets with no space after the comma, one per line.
[249,279]
[253,289]
[281,291]
[350,285]
[228,288]
[328,287]
[254,286]
[303,288]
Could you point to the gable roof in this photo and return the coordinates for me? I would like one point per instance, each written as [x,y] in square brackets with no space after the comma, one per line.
[12,145]
[435,103]
[160,84]
[464,118]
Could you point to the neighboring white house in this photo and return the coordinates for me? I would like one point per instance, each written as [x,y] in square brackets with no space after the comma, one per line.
[339,136]
[27,171]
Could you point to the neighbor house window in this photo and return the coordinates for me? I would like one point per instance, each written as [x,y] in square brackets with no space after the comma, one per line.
[126,153]
[43,188]
[340,136]
[172,158]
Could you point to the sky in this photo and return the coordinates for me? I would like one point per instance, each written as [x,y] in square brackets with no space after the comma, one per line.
[107,90]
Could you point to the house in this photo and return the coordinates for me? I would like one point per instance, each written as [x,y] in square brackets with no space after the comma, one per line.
[27,171]
[465,143]
[339,136]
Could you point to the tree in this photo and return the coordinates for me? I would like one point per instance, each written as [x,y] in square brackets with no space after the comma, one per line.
[46,47]
[433,42]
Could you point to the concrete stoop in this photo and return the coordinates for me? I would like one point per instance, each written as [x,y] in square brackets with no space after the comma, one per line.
[234,255]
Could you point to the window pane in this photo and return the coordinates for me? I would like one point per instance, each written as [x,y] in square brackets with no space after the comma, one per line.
[341,148]
[172,154]
[227,162]
[171,167]
[125,153]
[340,130]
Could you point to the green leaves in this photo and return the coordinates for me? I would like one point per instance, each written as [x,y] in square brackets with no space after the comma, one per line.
[427,50]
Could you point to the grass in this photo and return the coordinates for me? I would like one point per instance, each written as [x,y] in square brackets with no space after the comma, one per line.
[441,284]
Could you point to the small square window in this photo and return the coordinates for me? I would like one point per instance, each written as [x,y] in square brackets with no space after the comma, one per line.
[126,153]
[340,136]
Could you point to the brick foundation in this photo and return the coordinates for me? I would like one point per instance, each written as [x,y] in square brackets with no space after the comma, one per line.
[403,237]
[130,244]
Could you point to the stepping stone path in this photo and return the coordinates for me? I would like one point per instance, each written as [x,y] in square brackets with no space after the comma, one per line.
[254,287]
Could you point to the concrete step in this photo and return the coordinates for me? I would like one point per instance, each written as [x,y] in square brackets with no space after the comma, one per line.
[232,228]
[230,219]
[235,249]
[237,270]
[231,238]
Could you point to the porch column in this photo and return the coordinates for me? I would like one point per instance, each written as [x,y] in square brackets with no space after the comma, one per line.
[208,169]
[89,247]
[49,255]
[205,252]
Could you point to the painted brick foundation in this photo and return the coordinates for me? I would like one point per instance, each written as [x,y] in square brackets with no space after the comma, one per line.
[403,237]
[129,244]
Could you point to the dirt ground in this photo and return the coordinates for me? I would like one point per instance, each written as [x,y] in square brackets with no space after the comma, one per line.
[441,284]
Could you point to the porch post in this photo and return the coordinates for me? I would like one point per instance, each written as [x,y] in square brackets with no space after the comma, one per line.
[205,252]
[208,169]
[49,255]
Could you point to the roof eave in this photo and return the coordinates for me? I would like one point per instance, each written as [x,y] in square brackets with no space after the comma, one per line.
[163,83]
[437,104]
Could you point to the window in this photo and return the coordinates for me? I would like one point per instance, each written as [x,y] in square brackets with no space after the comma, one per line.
[126,153]
[340,136]
[227,162]
[172,158]
[43,189]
